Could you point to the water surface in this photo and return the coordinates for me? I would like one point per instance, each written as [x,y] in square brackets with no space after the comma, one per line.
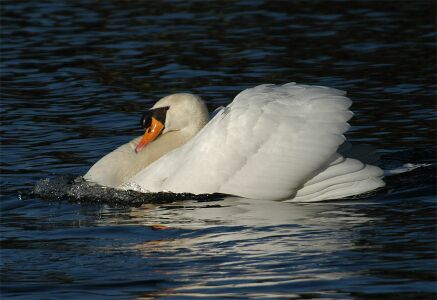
[76,77]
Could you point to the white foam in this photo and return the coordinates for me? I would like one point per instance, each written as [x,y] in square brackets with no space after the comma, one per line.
[404,168]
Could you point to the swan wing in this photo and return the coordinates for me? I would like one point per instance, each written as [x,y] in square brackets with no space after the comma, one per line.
[266,144]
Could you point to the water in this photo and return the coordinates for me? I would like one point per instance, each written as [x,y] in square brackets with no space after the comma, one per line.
[76,77]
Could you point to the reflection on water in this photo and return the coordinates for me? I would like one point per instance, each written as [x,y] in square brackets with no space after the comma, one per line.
[75,78]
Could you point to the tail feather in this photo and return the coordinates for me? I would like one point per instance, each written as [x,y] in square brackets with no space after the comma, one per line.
[342,178]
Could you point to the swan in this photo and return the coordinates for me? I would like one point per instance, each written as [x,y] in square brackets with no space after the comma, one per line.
[273,142]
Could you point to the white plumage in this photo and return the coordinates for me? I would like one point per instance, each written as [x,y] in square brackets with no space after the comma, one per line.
[272,142]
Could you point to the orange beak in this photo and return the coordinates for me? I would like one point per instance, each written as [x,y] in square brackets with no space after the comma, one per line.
[152,132]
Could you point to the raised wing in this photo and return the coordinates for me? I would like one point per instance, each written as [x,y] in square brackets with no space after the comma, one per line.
[266,144]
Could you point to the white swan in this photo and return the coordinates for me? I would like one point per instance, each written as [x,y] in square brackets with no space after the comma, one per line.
[272,142]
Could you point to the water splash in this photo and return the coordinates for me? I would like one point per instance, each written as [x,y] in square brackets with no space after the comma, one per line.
[77,189]
[404,168]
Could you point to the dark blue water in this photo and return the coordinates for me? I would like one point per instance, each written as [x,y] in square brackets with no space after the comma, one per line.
[75,79]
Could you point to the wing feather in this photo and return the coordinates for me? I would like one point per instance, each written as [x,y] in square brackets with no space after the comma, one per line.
[266,144]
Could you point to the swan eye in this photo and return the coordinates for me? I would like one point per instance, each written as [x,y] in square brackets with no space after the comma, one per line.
[157,113]
[146,120]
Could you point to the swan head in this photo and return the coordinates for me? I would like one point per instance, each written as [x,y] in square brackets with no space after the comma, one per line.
[177,112]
